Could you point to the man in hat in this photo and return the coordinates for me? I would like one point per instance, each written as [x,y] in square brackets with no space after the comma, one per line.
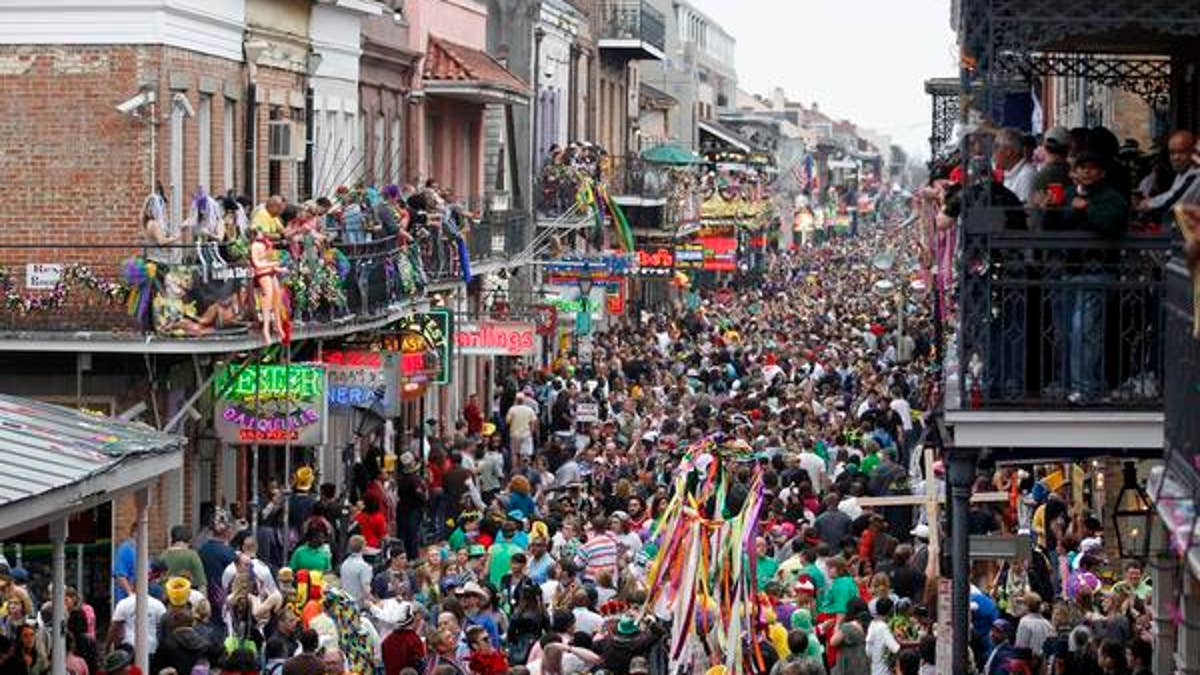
[117,662]
[472,597]
[629,642]
[302,500]
[403,647]
[413,495]
[501,552]
[1055,171]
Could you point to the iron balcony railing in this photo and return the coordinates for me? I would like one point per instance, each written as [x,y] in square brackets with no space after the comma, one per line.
[203,290]
[633,20]
[499,235]
[631,176]
[1183,378]
[1061,320]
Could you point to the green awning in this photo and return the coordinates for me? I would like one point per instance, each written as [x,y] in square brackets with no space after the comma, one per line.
[670,153]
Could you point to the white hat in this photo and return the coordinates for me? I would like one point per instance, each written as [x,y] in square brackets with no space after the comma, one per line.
[408,462]
[471,588]
[920,531]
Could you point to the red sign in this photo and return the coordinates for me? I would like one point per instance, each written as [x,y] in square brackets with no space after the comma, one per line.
[495,338]
[659,261]
[716,254]
[353,357]
[547,319]
[615,299]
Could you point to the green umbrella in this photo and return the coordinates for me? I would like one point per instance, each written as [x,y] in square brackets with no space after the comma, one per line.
[670,153]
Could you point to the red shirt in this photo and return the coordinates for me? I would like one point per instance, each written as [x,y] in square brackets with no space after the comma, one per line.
[490,663]
[373,527]
[474,419]
[402,649]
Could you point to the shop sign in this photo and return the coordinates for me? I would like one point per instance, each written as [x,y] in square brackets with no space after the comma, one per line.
[615,300]
[423,342]
[574,305]
[271,404]
[657,262]
[496,338]
[42,276]
[547,318]
[596,267]
[713,254]
[359,378]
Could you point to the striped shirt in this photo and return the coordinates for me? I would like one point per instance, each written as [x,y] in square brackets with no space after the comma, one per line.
[599,554]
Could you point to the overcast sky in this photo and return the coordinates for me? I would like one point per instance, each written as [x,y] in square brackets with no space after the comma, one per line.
[863,60]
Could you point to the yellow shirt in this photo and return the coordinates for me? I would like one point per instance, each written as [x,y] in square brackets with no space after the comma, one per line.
[266,223]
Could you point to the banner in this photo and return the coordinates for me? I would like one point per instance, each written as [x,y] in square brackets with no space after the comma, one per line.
[496,338]
[271,404]
[713,254]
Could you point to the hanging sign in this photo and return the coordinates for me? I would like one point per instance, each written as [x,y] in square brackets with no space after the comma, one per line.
[359,378]
[657,262]
[496,338]
[271,404]
[423,342]
[713,254]
[587,411]
[547,318]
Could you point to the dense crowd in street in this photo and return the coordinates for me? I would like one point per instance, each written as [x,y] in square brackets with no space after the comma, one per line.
[524,541]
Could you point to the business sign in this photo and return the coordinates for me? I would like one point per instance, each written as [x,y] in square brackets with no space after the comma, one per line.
[271,404]
[657,262]
[614,299]
[547,318]
[712,254]
[359,378]
[602,267]
[496,338]
[423,342]
[42,276]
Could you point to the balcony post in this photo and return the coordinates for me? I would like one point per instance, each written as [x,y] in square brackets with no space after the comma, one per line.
[961,474]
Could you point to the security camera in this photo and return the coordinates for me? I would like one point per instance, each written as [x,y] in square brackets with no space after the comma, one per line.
[180,101]
[130,106]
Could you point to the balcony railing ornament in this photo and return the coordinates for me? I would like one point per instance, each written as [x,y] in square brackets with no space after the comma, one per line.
[1148,77]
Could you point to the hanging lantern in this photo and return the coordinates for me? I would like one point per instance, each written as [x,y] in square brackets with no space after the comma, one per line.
[1132,517]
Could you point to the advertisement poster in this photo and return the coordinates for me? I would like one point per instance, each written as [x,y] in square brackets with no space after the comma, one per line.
[271,404]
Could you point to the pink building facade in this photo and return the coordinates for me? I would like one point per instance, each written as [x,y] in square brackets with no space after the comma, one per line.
[458,79]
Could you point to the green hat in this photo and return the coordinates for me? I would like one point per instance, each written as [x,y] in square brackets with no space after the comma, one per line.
[627,626]
[476,551]
[802,620]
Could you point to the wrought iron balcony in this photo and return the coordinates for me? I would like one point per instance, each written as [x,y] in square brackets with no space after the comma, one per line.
[158,294]
[1061,320]
[633,29]
[498,236]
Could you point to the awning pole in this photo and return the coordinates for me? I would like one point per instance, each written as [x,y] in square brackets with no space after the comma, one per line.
[141,646]
[58,533]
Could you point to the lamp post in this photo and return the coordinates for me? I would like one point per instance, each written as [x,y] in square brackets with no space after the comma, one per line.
[1132,516]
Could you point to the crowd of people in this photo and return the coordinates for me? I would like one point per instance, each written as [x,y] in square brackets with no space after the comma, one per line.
[521,539]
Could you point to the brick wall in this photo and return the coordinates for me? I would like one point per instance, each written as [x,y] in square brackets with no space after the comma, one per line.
[75,171]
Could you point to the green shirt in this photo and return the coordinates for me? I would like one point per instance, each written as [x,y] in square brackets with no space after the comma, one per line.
[500,561]
[180,560]
[868,463]
[458,539]
[817,576]
[840,592]
[306,557]
[766,571]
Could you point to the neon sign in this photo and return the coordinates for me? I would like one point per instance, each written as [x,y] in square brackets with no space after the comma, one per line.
[423,341]
[658,262]
[496,338]
[271,404]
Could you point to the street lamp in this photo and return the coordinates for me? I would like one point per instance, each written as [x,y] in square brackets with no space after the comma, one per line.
[1132,517]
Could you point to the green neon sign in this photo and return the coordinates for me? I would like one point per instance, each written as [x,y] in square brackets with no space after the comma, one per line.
[271,381]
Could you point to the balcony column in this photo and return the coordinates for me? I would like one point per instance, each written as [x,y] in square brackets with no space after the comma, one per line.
[1165,577]
[961,474]
[1187,656]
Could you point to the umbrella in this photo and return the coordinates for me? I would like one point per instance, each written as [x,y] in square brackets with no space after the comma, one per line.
[670,153]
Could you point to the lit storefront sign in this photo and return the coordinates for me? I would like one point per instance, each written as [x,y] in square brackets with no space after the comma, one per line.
[496,338]
[359,378]
[271,404]
[659,262]
[713,254]
[423,342]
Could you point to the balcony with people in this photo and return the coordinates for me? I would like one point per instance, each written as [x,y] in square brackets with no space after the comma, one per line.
[236,276]
[632,29]
[1049,250]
